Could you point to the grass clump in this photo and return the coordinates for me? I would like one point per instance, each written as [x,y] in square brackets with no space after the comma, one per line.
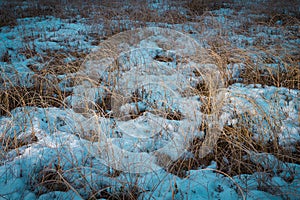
[43,94]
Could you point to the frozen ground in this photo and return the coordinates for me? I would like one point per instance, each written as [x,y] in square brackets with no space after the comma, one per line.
[85,149]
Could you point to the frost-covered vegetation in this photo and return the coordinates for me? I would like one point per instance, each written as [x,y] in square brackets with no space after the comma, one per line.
[149,99]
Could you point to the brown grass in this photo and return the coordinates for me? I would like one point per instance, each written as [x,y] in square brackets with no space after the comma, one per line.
[198,7]
[231,152]
[45,93]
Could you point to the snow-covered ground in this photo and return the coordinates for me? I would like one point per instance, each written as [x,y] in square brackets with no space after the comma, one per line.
[136,106]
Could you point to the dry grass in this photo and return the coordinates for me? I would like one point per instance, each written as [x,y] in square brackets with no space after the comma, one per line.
[267,69]
[287,11]
[231,151]
[232,155]
[199,7]
[45,90]
[44,93]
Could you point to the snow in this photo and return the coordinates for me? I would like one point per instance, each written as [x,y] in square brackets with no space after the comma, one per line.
[264,102]
[87,149]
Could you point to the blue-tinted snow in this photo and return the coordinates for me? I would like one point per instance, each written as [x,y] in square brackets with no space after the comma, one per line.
[63,133]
